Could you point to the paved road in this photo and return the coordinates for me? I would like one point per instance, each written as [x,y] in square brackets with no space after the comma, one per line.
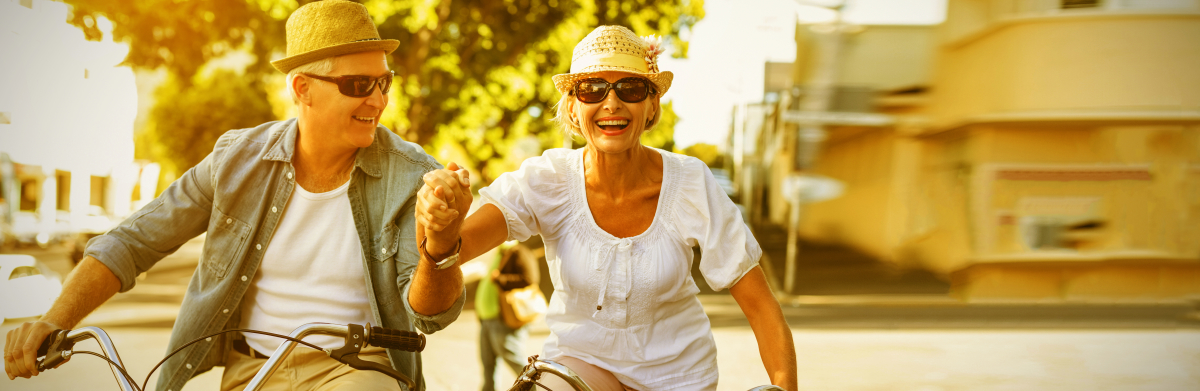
[921,343]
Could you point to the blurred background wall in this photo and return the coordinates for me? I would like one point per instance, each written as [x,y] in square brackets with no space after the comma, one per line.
[1022,150]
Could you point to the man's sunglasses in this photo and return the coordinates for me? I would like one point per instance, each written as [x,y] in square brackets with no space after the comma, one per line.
[629,89]
[359,86]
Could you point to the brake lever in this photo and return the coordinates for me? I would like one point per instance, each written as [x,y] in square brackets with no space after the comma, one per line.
[356,337]
[55,350]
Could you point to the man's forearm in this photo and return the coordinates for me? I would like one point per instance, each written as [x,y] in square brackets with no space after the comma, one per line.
[433,291]
[86,288]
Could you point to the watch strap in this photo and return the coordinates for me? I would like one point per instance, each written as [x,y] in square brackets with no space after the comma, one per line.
[445,262]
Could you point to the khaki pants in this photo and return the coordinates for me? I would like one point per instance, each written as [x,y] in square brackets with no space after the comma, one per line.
[307,369]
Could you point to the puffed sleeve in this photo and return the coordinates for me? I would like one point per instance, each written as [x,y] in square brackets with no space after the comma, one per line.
[707,216]
[534,198]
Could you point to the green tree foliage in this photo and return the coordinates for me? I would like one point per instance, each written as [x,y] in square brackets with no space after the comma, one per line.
[222,99]
[183,35]
[662,136]
[473,75]
[707,153]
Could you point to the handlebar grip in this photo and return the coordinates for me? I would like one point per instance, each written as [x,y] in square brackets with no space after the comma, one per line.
[397,339]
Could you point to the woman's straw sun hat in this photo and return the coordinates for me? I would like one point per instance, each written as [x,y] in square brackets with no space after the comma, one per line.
[615,48]
[330,28]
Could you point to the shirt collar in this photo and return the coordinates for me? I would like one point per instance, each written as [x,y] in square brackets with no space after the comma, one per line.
[281,145]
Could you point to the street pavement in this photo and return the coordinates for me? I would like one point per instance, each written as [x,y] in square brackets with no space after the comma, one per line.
[846,342]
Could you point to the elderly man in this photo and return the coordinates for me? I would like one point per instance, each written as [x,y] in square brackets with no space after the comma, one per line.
[308,219]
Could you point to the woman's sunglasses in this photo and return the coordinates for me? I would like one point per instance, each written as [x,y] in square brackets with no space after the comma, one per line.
[629,89]
[359,86]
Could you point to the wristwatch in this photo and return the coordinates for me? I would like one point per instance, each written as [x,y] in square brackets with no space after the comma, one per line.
[445,262]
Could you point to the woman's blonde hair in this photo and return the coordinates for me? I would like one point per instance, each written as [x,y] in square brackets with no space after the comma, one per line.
[566,122]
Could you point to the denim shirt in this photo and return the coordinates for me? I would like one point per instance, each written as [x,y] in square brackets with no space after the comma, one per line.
[236,195]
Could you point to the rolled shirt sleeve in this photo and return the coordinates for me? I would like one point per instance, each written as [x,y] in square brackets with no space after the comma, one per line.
[181,213]
[430,324]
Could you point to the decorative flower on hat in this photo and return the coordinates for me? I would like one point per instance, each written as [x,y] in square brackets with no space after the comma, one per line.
[654,47]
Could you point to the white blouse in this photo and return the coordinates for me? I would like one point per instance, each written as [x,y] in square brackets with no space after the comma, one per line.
[629,305]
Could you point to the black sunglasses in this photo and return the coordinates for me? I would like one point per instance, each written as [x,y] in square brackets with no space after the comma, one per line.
[629,89]
[358,86]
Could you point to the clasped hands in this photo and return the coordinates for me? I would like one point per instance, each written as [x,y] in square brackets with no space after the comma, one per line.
[442,204]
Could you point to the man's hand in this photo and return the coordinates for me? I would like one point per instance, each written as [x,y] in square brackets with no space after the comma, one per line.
[20,349]
[442,204]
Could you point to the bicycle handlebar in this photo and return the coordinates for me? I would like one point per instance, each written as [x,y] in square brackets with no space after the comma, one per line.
[355,336]
[396,339]
[57,348]
[533,372]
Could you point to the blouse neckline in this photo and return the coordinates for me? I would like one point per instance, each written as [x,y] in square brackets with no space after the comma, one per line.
[579,187]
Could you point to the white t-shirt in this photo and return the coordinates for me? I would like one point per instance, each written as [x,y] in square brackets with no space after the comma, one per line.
[651,331]
[312,271]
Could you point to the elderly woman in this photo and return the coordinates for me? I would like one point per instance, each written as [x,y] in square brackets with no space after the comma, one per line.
[619,220]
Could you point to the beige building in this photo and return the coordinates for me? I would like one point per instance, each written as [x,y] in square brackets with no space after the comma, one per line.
[66,128]
[1028,149]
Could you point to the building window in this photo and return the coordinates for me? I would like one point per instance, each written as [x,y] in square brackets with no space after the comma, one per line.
[1080,4]
[30,192]
[63,188]
[99,191]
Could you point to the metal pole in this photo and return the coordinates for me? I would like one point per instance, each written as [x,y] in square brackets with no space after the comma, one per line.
[817,98]
[793,245]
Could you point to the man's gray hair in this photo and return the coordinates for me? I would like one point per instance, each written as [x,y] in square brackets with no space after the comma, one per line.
[320,67]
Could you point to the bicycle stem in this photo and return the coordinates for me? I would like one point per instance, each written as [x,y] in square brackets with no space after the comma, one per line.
[284,349]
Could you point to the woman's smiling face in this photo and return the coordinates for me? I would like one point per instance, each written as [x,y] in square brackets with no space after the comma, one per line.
[613,125]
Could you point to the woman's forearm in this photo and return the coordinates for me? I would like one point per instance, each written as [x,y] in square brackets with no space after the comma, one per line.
[771,330]
[777,350]
[482,231]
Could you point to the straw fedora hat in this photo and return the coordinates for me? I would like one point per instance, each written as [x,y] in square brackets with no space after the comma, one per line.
[330,28]
[615,48]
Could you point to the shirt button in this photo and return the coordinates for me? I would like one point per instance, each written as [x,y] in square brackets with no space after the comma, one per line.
[225,311]
[289,175]
[383,250]
[258,246]
[273,210]
[228,221]
[244,278]
[209,339]
[189,366]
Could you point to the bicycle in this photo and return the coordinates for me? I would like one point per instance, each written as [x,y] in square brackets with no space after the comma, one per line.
[57,348]
[533,371]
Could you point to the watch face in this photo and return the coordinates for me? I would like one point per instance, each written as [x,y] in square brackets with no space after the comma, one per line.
[448,262]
